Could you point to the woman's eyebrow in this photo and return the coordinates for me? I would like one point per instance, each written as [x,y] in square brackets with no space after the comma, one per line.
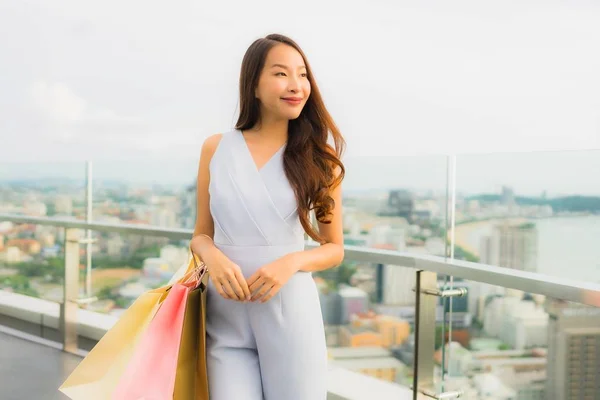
[284,66]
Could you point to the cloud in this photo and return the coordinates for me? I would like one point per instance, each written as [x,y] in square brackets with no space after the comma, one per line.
[398,77]
[58,102]
[71,118]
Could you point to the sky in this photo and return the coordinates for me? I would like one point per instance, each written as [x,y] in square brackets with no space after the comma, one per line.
[136,86]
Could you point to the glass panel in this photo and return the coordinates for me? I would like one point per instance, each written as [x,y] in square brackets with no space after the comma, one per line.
[32,261]
[126,266]
[141,192]
[32,256]
[123,268]
[32,264]
[522,345]
[369,312]
[43,189]
[396,203]
[390,203]
[536,212]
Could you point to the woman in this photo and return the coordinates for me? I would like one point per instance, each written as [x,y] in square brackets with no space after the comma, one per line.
[256,186]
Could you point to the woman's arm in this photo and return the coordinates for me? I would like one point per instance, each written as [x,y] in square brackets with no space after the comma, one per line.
[331,253]
[226,276]
[201,244]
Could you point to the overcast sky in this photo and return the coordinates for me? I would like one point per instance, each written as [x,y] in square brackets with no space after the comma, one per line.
[149,80]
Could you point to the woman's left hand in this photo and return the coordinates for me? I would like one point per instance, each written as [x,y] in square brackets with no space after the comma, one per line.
[271,277]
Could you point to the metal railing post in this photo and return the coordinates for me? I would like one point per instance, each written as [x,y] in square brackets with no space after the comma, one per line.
[69,306]
[424,332]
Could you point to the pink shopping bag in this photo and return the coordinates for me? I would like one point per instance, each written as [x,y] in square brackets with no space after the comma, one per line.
[150,374]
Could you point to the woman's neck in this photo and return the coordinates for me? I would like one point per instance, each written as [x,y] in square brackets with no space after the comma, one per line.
[271,131]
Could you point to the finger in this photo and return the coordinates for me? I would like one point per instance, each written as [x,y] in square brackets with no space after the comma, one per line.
[237,289]
[255,276]
[265,288]
[243,284]
[256,285]
[271,293]
[220,290]
[227,288]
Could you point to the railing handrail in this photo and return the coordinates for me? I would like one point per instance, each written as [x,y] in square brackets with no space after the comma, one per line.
[533,282]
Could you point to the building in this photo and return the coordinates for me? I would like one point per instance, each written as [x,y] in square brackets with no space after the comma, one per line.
[573,352]
[164,217]
[511,245]
[63,204]
[156,270]
[338,307]
[518,323]
[352,301]
[489,386]
[371,360]
[187,208]
[393,331]
[359,336]
[460,361]
[27,246]
[401,203]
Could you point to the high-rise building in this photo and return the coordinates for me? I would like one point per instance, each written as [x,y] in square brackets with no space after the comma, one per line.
[511,246]
[573,371]
[508,196]
[401,203]
[187,208]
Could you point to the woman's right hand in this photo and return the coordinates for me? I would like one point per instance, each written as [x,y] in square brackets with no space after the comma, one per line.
[226,276]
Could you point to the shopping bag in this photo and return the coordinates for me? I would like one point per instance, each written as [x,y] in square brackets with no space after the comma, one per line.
[191,380]
[97,374]
[151,371]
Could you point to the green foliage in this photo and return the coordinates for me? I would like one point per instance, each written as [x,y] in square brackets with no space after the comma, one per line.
[51,266]
[462,254]
[338,275]
[135,261]
[19,284]
[527,225]
[105,293]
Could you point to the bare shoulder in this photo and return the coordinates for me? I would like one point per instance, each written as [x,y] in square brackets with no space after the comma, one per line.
[210,144]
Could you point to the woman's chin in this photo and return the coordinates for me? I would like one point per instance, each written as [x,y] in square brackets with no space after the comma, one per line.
[292,115]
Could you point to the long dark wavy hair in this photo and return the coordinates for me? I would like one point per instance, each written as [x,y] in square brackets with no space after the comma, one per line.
[309,161]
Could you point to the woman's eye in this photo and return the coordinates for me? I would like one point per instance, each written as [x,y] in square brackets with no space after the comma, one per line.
[279,73]
[305,75]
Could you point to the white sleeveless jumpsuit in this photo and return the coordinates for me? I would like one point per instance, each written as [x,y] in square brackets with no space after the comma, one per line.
[274,350]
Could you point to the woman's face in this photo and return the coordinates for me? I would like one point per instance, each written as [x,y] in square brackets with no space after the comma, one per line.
[284,76]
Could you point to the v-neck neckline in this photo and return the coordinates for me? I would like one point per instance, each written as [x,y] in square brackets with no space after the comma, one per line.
[249,153]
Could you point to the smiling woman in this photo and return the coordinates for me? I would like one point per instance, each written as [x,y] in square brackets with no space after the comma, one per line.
[257,185]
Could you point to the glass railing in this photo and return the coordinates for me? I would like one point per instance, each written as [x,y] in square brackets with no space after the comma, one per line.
[522,345]
[33,267]
[165,197]
[43,189]
[400,204]
[535,212]
[534,215]
[369,312]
